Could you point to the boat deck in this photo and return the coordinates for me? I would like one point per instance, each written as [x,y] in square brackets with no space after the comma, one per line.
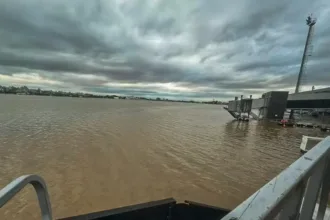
[167,209]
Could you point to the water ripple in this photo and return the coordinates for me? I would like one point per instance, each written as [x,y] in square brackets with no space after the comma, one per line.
[100,154]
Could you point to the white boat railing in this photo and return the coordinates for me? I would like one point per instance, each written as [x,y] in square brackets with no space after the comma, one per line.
[40,187]
[292,194]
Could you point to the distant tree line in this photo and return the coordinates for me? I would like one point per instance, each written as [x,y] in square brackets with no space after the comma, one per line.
[24,90]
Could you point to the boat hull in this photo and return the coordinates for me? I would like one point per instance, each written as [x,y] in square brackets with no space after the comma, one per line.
[167,209]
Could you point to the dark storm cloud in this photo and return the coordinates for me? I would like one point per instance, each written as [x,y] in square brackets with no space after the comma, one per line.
[255,20]
[265,64]
[233,46]
[27,26]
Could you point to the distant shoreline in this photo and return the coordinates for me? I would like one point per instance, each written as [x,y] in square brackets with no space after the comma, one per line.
[12,90]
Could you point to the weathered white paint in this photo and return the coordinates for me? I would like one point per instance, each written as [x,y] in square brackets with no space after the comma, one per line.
[273,197]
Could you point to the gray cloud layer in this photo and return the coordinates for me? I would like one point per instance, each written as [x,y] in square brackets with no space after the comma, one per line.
[196,49]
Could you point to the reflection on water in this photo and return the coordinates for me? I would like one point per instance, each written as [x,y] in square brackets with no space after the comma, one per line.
[99,154]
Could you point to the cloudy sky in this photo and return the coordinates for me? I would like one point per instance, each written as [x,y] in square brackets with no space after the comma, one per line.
[189,49]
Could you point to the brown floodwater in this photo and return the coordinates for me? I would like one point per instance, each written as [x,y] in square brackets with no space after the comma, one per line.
[98,154]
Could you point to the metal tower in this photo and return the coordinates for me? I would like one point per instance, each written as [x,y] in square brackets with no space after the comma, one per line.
[310,21]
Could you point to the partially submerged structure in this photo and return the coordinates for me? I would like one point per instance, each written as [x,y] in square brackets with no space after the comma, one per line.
[271,105]
[240,109]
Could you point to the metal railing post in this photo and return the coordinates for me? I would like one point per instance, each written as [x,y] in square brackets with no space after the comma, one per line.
[9,191]
[324,192]
[292,206]
[312,192]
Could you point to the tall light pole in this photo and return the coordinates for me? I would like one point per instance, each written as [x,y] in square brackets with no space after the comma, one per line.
[310,22]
